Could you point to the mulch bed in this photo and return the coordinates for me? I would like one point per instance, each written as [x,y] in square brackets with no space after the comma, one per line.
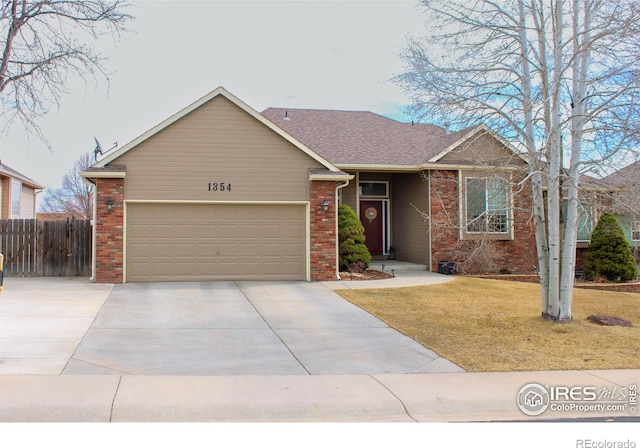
[366,275]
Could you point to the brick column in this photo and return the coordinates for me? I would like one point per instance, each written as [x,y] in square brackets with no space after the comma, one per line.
[323,253]
[109,228]
[443,187]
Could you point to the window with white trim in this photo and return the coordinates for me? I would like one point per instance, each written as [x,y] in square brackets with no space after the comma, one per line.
[16,197]
[585,220]
[487,205]
[374,189]
[635,231]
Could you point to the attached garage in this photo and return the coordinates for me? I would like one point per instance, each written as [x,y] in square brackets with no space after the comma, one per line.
[200,242]
[215,192]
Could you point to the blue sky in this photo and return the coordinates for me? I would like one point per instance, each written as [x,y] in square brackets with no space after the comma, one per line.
[322,54]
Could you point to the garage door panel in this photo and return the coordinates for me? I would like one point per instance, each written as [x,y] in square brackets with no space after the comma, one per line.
[184,230]
[161,230]
[205,250]
[228,231]
[292,230]
[185,250]
[227,250]
[160,251]
[272,250]
[190,242]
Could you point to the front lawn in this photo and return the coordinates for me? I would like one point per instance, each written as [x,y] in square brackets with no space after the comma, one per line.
[491,325]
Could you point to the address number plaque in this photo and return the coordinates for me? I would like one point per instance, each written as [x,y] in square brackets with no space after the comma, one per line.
[219,186]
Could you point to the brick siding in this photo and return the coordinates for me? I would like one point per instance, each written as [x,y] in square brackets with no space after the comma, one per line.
[323,253]
[517,255]
[109,228]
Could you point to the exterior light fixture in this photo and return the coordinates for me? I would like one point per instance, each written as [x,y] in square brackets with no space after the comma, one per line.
[324,206]
[109,204]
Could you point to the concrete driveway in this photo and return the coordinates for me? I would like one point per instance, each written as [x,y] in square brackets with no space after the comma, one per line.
[72,326]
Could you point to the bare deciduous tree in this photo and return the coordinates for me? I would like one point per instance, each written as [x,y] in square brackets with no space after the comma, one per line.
[559,78]
[44,43]
[75,197]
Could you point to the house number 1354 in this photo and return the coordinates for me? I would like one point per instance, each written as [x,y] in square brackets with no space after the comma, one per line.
[222,186]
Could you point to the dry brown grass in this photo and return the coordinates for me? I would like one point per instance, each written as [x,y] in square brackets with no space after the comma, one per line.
[491,325]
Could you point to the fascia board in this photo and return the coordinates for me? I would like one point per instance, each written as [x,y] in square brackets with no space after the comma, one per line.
[331,177]
[417,168]
[103,174]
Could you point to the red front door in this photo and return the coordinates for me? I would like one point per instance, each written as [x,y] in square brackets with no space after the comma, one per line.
[371,217]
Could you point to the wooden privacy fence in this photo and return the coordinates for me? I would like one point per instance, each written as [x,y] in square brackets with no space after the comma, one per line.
[34,248]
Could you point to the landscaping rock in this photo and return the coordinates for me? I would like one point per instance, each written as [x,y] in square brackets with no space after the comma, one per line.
[609,320]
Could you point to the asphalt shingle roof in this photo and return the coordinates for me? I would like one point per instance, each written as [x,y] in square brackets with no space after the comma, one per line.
[629,176]
[362,138]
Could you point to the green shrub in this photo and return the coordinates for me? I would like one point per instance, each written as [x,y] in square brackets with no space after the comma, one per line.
[351,247]
[609,255]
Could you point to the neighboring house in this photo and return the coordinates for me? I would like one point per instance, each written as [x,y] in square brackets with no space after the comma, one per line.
[17,194]
[56,216]
[220,191]
[625,184]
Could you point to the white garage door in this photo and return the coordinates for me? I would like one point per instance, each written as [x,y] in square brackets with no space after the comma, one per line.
[198,242]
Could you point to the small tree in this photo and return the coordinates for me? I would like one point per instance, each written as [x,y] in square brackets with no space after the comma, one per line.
[609,253]
[75,197]
[351,239]
[43,44]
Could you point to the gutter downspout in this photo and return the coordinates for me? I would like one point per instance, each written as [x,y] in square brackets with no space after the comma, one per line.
[93,228]
[36,192]
[338,187]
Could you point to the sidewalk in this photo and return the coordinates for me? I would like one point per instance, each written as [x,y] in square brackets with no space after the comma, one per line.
[461,397]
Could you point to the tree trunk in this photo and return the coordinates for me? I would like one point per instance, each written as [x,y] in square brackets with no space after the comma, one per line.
[539,223]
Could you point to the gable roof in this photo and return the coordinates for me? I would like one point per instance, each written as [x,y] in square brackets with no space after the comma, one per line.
[220,91]
[628,177]
[10,172]
[626,184]
[359,138]
[472,133]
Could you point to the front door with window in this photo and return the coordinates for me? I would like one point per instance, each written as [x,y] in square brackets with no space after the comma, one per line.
[372,219]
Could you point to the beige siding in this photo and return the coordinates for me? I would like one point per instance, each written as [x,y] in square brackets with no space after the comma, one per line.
[410,230]
[215,144]
[6,198]
[200,242]
[26,203]
[480,150]
[350,194]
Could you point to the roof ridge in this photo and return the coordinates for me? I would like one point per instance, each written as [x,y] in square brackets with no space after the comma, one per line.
[346,111]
